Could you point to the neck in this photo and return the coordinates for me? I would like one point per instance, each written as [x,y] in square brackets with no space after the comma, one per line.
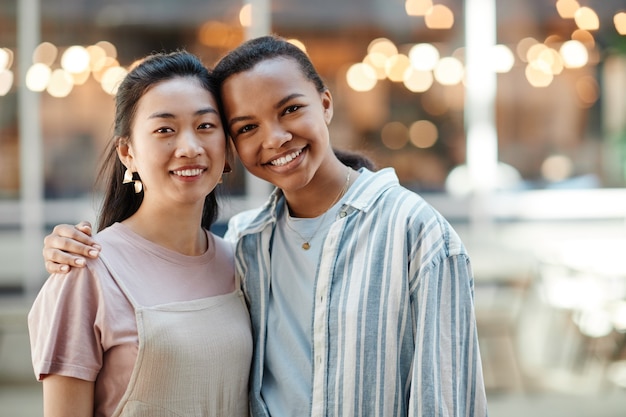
[178,230]
[323,191]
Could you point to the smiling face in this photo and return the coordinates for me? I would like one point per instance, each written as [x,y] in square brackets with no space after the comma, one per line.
[278,122]
[177,143]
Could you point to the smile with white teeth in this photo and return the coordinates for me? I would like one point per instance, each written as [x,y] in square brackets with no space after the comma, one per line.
[188,172]
[286,159]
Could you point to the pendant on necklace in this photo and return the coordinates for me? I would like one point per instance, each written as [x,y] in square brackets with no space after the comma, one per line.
[306,246]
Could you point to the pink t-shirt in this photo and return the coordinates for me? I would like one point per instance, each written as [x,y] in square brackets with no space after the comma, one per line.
[82,325]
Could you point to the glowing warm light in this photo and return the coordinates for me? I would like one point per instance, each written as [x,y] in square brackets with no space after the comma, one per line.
[584,37]
[417,7]
[586,19]
[6,81]
[37,77]
[557,168]
[523,46]
[620,23]
[587,90]
[81,77]
[382,46]
[417,81]
[423,133]
[396,67]
[112,78]
[538,76]
[449,71]
[439,17]
[361,77]
[75,59]
[245,16]
[60,84]
[503,59]
[424,56]
[394,135]
[532,54]
[574,54]
[97,57]
[567,8]
[103,66]
[553,40]
[297,43]
[214,34]
[45,53]
[4,59]
[377,61]
[9,55]
[108,47]
[551,60]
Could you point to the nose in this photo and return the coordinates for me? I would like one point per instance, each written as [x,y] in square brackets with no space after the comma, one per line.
[277,136]
[188,145]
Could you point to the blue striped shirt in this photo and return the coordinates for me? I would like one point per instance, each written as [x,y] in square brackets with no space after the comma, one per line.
[393,326]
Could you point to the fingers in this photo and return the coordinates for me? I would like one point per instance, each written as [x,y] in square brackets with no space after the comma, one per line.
[68,246]
[84,227]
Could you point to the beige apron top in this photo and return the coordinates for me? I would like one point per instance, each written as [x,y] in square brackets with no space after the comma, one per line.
[193,358]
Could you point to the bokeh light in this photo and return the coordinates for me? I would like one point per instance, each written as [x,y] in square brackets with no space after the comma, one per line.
[396,66]
[417,7]
[112,78]
[377,61]
[382,46]
[574,54]
[619,20]
[245,16]
[6,81]
[503,59]
[45,53]
[4,59]
[567,8]
[557,168]
[60,84]
[423,133]
[361,77]
[449,71]
[439,17]
[37,77]
[394,135]
[75,59]
[423,56]
[417,81]
[586,19]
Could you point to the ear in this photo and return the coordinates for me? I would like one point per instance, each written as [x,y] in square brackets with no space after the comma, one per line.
[125,152]
[327,104]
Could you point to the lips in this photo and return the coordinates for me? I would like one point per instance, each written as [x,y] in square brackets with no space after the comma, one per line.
[284,160]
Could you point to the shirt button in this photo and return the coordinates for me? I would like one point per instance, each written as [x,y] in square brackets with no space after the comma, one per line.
[342,214]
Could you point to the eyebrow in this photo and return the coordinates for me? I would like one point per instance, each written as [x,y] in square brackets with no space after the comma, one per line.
[278,105]
[166,115]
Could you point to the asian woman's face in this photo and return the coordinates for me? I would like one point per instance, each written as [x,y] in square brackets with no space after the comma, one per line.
[278,122]
[177,144]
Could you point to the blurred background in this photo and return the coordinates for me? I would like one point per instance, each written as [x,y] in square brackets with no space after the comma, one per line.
[509,117]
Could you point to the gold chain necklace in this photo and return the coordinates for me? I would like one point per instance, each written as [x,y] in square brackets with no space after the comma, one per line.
[307,242]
